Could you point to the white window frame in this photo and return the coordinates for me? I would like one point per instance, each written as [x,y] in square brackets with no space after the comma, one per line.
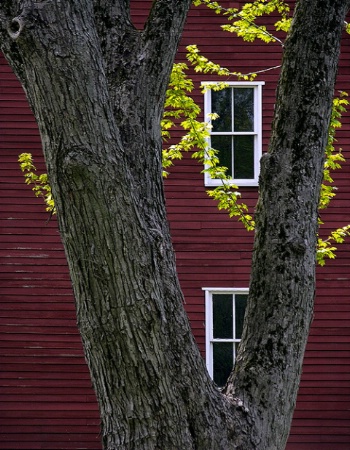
[257,133]
[209,334]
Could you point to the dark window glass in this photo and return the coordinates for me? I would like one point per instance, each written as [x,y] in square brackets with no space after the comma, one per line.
[243,157]
[223,362]
[221,104]
[243,109]
[235,152]
[240,306]
[224,145]
[222,316]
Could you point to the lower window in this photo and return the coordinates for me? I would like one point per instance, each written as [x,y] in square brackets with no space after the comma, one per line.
[224,315]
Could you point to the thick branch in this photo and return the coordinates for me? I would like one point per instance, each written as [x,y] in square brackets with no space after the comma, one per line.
[137,67]
[131,55]
[162,34]
[282,287]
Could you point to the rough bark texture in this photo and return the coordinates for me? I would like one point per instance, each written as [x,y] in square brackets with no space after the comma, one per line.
[282,284]
[97,86]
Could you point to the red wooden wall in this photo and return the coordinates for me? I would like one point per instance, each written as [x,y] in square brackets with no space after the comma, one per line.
[46,400]
[45,396]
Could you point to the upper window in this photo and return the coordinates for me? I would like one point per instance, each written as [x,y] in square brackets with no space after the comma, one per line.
[236,133]
[224,315]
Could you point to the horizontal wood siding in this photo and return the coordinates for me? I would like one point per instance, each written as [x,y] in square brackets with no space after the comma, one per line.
[46,399]
[45,388]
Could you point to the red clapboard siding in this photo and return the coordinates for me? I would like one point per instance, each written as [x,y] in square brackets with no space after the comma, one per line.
[46,400]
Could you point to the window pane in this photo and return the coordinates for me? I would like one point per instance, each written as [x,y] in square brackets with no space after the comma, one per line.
[243,157]
[223,362]
[240,304]
[222,316]
[221,103]
[224,145]
[243,109]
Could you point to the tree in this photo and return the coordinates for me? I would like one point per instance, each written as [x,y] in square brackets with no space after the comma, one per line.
[104,163]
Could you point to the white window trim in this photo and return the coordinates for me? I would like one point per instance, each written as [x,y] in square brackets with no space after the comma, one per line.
[208,181]
[209,338]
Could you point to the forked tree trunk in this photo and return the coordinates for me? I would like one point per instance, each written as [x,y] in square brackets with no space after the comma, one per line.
[97,89]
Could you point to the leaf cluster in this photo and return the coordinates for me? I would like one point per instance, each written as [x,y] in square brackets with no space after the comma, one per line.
[181,107]
[243,22]
[40,183]
[201,64]
[326,247]
[333,157]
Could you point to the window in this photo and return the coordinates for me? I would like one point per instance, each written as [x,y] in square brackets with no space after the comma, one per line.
[224,314]
[236,134]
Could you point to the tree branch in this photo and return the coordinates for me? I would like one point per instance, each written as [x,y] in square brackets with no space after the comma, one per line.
[118,38]
[163,30]
[282,285]
[130,54]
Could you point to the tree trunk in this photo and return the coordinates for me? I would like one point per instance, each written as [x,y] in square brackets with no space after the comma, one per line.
[97,86]
[282,286]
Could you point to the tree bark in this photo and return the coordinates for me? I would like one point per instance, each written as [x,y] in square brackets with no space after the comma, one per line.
[282,286]
[97,87]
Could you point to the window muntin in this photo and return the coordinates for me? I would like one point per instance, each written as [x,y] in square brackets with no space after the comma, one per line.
[236,134]
[224,312]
